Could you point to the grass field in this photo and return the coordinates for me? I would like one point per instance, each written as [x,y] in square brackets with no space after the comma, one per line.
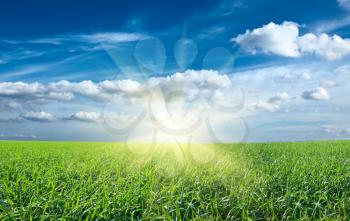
[105,181]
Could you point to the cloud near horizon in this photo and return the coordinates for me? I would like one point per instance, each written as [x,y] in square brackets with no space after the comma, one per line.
[199,88]
[291,89]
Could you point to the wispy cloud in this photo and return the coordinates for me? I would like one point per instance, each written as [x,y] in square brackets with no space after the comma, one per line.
[109,37]
[91,38]
[212,32]
[24,71]
[226,8]
[34,68]
[52,41]
[18,55]
[345,4]
[331,25]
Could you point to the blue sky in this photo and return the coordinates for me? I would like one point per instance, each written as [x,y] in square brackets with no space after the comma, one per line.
[230,70]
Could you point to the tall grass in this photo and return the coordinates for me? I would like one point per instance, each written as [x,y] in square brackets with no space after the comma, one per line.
[105,181]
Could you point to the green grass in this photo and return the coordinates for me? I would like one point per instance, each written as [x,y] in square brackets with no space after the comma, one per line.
[105,181]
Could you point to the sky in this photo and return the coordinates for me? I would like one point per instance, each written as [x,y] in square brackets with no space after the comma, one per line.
[175,71]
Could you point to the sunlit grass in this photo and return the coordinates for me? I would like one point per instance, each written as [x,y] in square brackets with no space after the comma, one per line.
[105,181]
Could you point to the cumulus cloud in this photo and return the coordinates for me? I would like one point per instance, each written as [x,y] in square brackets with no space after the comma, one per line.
[264,106]
[205,79]
[38,116]
[318,94]
[31,91]
[279,97]
[200,89]
[100,91]
[86,88]
[127,86]
[272,104]
[86,117]
[95,117]
[290,75]
[67,91]
[271,38]
[20,88]
[329,47]
[284,40]
[304,75]
[192,83]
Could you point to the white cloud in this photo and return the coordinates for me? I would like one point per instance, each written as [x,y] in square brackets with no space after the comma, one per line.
[101,91]
[283,39]
[193,83]
[259,85]
[125,86]
[329,47]
[16,55]
[205,79]
[319,93]
[95,117]
[271,38]
[38,116]
[345,4]
[272,104]
[35,68]
[14,105]
[328,84]
[279,98]
[336,130]
[200,87]
[331,25]
[290,75]
[94,38]
[201,90]
[20,88]
[86,116]
[110,37]
[60,96]
[264,106]
[31,91]
[53,41]
[304,75]
[86,88]
[23,71]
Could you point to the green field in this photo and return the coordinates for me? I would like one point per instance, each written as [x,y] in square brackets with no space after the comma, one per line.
[106,181]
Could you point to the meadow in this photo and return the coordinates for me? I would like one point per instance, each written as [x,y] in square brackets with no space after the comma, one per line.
[110,181]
